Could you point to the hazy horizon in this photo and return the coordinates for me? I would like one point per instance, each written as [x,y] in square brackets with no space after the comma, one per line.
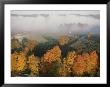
[56,23]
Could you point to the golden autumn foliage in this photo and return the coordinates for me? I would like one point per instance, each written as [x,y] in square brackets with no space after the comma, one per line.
[71,56]
[52,55]
[74,63]
[51,61]
[33,65]
[18,62]
[65,69]
[86,63]
[64,40]
[92,62]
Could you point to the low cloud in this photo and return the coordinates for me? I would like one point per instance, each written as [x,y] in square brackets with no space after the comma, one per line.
[95,16]
[54,24]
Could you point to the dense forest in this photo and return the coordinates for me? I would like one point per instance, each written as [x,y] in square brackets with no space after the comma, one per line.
[66,56]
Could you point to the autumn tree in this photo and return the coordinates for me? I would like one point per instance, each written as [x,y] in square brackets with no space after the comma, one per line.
[86,64]
[65,69]
[79,66]
[33,65]
[92,63]
[18,62]
[52,54]
[51,61]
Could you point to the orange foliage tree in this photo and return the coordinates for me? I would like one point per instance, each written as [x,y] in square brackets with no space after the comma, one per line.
[79,66]
[52,55]
[51,61]
[86,64]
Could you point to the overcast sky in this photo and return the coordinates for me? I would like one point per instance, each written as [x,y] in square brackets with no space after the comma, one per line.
[54,22]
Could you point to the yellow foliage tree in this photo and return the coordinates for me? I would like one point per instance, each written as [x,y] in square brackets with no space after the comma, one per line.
[18,62]
[92,62]
[65,69]
[71,56]
[33,65]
